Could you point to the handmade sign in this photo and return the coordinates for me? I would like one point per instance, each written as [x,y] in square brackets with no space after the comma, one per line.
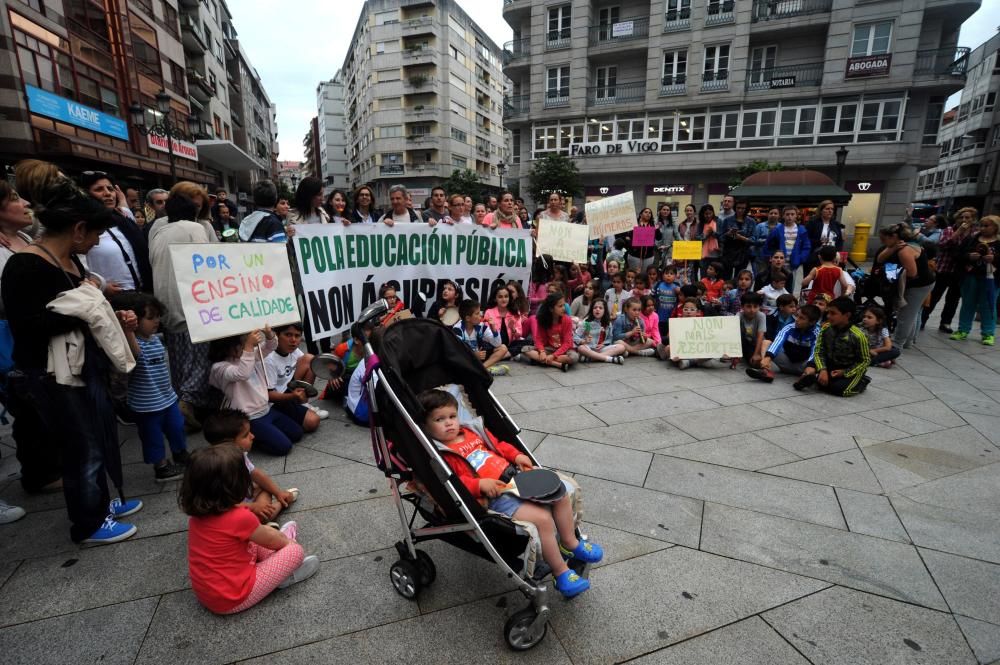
[231,289]
[708,337]
[342,267]
[687,250]
[563,241]
[643,236]
[611,215]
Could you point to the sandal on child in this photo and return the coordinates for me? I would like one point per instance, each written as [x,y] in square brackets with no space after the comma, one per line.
[570,584]
[585,551]
[294,491]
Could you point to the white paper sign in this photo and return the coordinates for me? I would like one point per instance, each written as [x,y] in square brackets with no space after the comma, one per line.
[564,241]
[706,337]
[611,216]
[229,289]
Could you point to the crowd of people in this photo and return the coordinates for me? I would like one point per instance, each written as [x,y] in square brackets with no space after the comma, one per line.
[100,336]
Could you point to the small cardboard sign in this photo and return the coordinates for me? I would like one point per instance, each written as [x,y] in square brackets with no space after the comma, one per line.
[611,215]
[564,241]
[705,337]
[687,250]
[643,236]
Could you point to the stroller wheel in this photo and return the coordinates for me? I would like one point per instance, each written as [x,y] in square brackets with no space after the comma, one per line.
[428,572]
[519,630]
[405,578]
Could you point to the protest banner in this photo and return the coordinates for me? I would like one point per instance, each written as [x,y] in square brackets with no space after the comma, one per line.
[610,215]
[563,241]
[706,337]
[643,236]
[231,289]
[342,267]
[687,250]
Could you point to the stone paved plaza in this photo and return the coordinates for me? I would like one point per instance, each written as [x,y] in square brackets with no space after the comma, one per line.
[743,524]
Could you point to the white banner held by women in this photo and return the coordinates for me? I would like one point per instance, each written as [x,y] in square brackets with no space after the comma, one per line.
[229,289]
[341,268]
[563,241]
[610,216]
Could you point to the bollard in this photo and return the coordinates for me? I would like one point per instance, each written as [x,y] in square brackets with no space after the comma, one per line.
[859,251]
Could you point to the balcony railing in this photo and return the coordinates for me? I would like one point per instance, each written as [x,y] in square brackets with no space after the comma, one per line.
[770,10]
[943,62]
[424,139]
[788,76]
[418,25]
[515,50]
[720,13]
[423,166]
[675,84]
[619,31]
[516,106]
[392,169]
[677,19]
[715,81]
[616,93]
[556,98]
[418,54]
[556,39]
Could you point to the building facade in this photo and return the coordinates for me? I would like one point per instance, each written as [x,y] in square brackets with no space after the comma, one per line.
[967,172]
[666,98]
[424,92]
[331,133]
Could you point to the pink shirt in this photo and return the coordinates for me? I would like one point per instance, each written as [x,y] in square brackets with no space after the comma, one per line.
[243,381]
[652,325]
[536,295]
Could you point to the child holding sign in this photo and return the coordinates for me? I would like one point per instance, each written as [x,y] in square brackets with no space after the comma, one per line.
[690,308]
[593,336]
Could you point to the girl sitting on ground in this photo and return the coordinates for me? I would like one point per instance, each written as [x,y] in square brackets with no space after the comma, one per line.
[880,345]
[630,329]
[593,336]
[445,308]
[581,304]
[650,320]
[690,308]
[553,335]
[505,320]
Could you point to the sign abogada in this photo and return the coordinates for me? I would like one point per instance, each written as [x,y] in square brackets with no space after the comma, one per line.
[342,268]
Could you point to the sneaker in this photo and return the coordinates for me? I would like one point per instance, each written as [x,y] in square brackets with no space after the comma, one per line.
[886,365]
[519,358]
[9,513]
[110,532]
[182,457]
[273,525]
[989,340]
[959,336]
[618,360]
[119,508]
[290,529]
[805,381]
[564,367]
[646,353]
[322,414]
[167,472]
[684,364]
[765,375]
[570,584]
[499,370]
[584,551]
[946,329]
[306,570]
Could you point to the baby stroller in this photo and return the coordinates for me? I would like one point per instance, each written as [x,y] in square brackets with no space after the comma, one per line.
[401,361]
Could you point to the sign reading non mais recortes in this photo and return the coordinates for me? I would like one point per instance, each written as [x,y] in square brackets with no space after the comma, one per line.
[707,337]
[231,289]
[341,268]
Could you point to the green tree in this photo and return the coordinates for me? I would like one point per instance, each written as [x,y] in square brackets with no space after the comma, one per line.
[553,173]
[465,182]
[747,170]
[285,192]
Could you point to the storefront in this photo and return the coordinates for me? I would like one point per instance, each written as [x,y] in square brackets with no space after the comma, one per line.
[676,196]
[866,199]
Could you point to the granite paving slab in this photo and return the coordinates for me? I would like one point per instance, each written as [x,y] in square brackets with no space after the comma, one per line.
[345,440]
[920,365]
[932,456]
[974,491]
[871,514]
[850,559]
[984,638]
[549,398]
[644,512]
[975,535]
[988,426]
[935,411]
[350,529]
[740,451]
[614,412]
[108,635]
[847,469]
[585,373]
[692,593]
[522,383]
[651,434]
[969,586]
[748,392]
[843,627]
[37,534]
[668,382]
[959,395]
[346,595]
[906,422]
[555,421]
[595,459]
[307,459]
[785,411]
[768,494]
[340,484]
[747,642]
[461,578]
[827,435]
[620,545]
[725,421]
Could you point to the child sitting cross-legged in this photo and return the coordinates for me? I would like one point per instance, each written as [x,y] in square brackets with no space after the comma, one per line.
[234,561]
[880,345]
[752,327]
[787,305]
[286,364]
[792,349]
[553,335]
[593,336]
[772,292]
[690,309]
[842,355]
[266,498]
[486,466]
[480,338]
[629,329]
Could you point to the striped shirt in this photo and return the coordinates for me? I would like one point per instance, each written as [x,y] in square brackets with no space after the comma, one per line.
[149,386]
[797,343]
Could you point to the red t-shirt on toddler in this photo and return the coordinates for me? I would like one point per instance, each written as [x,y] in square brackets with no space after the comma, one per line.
[219,561]
[484,461]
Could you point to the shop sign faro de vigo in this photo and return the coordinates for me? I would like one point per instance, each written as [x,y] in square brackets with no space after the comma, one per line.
[613,148]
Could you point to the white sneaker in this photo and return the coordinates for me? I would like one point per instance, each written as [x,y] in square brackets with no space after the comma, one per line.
[306,570]
[322,413]
[9,513]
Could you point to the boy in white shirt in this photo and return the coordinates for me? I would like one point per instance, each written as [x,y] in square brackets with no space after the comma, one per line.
[771,292]
[288,363]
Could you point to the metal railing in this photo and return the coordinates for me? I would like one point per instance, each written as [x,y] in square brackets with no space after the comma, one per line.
[673,85]
[942,62]
[616,93]
[555,99]
[619,31]
[515,106]
[720,13]
[715,81]
[556,39]
[516,49]
[770,10]
[786,76]
[417,23]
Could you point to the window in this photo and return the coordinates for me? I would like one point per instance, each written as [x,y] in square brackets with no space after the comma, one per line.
[459,135]
[226,133]
[796,126]
[762,60]
[557,84]
[880,121]
[996,136]
[991,100]
[963,111]
[388,75]
[691,132]
[722,129]
[457,81]
[515,145]
[456,25]
[716,7]
[459,109]
[837,122]
[678,10]
[605,79]
[389,103]
[945,148]
[607,17]
[217,124]
[387,18]
[987,172]
[758,128]
[459,162]
[939,178]
[387,47]
[559,25]
[390,131]
[871,39]
[935,109]
[716,63]
[674,67]
[956,144]
[457,55]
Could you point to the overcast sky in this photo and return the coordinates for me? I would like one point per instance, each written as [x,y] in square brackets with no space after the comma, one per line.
[298,43]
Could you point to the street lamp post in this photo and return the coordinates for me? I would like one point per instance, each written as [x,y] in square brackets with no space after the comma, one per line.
[841,160]
[164,128]
[501,169]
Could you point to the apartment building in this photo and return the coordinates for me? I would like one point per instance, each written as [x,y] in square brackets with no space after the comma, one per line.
[665,98]
[967,172]
[331,134]
[424,92]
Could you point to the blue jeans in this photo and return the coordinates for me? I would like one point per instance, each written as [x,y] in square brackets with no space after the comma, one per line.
[153,425]
[978,294]
[275,433]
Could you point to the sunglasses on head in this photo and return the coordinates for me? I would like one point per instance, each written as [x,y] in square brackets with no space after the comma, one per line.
[97,173]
